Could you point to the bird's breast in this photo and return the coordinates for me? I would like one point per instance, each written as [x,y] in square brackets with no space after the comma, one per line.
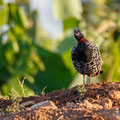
[86,58]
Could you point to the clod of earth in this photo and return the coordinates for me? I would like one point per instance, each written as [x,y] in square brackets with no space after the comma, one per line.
[106,103]
[100,101]
[113,94]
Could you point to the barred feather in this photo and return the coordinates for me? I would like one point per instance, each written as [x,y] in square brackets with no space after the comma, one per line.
[86,58]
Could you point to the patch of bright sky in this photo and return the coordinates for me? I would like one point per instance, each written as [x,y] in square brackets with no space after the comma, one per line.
[9,1]
[47,19]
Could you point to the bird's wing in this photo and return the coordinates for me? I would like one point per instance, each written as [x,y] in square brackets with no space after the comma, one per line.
[89,53]
[84,52]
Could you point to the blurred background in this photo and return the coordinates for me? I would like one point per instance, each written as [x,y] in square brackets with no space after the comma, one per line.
[36,38]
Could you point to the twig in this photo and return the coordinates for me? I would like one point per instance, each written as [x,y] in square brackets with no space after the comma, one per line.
[21,85]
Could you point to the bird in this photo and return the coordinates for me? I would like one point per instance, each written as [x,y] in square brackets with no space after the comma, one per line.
[86,57]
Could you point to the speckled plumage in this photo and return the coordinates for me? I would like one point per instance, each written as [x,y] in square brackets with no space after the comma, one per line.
[86,57]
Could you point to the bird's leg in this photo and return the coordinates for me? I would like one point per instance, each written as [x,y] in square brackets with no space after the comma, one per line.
[84,80]
[89,79]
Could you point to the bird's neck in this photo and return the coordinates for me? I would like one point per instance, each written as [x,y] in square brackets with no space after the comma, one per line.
[82,40]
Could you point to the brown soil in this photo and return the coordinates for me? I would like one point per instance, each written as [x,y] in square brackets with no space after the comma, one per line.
[99,101]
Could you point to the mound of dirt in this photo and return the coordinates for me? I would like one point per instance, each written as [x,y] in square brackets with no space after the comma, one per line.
[99,101]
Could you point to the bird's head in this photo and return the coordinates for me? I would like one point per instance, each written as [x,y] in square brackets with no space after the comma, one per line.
[78,34]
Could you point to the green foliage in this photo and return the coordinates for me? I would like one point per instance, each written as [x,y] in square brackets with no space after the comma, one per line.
[81,89]
[66,44]
[64,9]
[55,74]
[25,51]
[69,12]
[21,56]
[70,23]
[15,106]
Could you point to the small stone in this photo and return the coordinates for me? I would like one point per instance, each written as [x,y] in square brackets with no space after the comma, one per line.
[96,107]
[97,97]
[57,102]
[116,85]
[114,114]
[106,103]
[88,105]
[33,117]
[56,114]
[113,94]
[47,103]
[70,104]
[28,109]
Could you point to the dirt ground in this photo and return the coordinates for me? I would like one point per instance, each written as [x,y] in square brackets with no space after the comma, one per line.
[99,101]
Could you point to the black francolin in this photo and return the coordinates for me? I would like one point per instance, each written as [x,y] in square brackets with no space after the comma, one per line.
[86,57]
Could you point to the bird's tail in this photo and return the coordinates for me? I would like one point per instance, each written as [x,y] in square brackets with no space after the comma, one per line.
[101,71]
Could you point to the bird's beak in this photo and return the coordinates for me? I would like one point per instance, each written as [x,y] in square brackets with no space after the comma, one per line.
[76,31]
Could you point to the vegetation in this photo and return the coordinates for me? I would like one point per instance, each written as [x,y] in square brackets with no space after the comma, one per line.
[15,98]
[26,50]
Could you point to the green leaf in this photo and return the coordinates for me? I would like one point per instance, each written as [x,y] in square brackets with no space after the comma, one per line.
[18,16]
[33,31]
[9,54]
[56,74]
[4,14]
[66,44]
[70,23]
[36,58]
[23,18]
[1,2]
[13,13]
[66,56]
[65,9]
[18,30]
[15,46]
